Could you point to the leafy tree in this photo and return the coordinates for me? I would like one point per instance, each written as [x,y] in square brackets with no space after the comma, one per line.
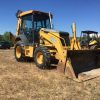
[6,36]
[1,37]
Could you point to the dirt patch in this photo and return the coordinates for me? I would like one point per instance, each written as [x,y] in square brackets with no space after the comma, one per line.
[24,81]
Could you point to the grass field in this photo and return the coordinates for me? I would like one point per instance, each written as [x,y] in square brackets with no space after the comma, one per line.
[24,81]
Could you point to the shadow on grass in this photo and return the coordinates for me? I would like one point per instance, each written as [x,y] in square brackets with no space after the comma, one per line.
[51,67]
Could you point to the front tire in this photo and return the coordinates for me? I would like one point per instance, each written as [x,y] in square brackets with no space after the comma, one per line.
[19,51]
[42,57]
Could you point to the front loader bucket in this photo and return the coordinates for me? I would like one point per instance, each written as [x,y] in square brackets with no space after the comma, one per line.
[83,65]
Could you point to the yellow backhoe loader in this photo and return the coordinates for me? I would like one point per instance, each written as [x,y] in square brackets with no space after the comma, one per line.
[37,40]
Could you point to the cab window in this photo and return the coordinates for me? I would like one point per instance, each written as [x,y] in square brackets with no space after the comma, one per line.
[27,22]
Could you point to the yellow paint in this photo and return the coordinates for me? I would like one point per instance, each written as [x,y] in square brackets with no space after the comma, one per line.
[19,22]
[29,51]
[75,44]
[18,52]
[53,39]
[30,12]
[93,42]
[39,58]
[25,13]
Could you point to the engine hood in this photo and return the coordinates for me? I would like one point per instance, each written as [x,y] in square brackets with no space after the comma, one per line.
[53,31]
[49,30]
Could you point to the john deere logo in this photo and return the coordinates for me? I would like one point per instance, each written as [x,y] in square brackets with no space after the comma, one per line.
[52,39]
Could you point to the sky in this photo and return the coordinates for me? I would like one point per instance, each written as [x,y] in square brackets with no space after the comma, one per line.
[86,13]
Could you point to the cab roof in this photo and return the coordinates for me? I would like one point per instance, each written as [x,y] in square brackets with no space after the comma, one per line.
[21,13]
[89,32]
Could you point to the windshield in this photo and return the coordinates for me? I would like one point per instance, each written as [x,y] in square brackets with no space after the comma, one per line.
[94,36]
[41,21]
[85,37]
[36,22]
[27,22]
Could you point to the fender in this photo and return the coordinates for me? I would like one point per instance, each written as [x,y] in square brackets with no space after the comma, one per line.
[22,38]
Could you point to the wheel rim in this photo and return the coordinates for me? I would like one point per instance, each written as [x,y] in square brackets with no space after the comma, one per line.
[39,58]
[18,52]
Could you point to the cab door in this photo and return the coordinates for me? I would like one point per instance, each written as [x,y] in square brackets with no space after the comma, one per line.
[27,27]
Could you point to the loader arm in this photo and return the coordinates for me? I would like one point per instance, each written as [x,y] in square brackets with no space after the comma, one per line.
[75,45]
[54,40]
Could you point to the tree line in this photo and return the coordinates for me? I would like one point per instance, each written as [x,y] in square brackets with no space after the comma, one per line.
[7,36]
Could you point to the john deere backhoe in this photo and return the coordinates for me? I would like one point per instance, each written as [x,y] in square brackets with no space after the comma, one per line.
[37,40]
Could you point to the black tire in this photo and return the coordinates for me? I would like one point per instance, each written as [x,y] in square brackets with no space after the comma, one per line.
[21,57]
[46,57]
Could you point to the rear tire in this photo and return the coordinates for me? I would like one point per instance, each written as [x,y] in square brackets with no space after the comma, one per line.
[19,55]
[42,57]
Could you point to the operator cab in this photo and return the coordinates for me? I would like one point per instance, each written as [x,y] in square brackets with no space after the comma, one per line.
[32,22]
[36,21]
[87,37]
